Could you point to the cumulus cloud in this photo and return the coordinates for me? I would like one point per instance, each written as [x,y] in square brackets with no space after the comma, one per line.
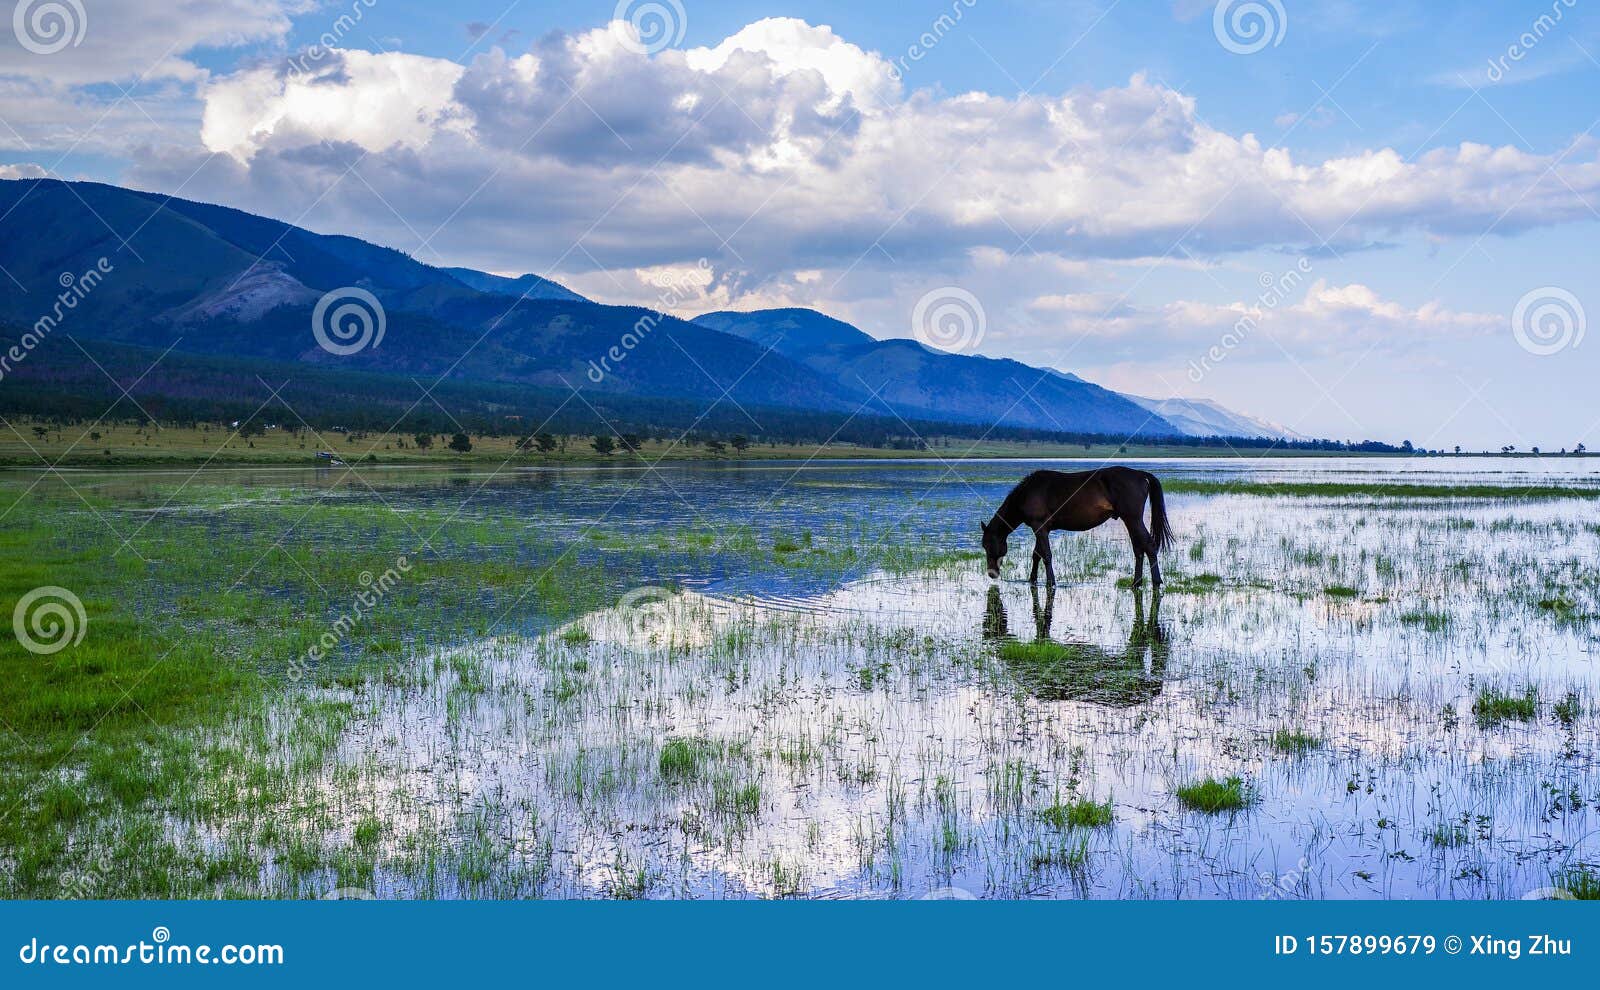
[786,147]
[127,42]
[376,102]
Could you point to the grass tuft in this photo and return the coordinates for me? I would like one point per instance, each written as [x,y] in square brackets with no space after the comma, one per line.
[1294,741]
[1495,707]
[1212,795]
[1078,813]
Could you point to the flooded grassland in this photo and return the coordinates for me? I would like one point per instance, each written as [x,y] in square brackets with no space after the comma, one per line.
[785,681]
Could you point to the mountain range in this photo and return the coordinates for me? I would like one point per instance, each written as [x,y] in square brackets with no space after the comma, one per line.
[219,295]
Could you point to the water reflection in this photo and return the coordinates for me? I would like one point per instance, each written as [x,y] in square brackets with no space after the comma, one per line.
[1075,670]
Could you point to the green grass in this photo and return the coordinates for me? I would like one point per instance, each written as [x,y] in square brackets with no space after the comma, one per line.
[1211,795]
[204,620]
[1429,620]
[1341,591]
[1495,707]
[1078,671]
[1294,741]
[1078,813]
[1582,882]
[680,759]
[1038,651]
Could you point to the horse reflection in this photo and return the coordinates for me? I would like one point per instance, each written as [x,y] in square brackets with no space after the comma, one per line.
[1069,670]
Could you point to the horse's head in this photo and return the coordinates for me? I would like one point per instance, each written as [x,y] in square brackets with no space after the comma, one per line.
[994,546]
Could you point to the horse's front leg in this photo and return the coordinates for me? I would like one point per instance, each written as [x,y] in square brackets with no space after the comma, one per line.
[1041,551]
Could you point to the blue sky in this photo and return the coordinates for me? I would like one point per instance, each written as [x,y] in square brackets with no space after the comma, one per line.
[1113,184]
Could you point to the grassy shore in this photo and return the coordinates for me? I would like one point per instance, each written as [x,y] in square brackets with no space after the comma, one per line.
[122,444]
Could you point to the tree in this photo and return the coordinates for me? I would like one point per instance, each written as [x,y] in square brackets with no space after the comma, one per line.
[1579,449]
[546,442]
[715,446]
[41,431]
[631,441]
[603,444]
[423,440]
[525,443]
[740,442]
[461,443]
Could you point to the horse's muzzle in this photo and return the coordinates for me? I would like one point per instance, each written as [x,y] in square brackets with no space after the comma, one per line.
[994,572]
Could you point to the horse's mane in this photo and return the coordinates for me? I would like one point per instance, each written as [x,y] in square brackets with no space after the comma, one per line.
[1006,503]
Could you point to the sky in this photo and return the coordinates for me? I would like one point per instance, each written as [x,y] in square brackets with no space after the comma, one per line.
[1357,220]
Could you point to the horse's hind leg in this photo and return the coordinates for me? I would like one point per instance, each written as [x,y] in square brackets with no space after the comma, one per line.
[1144,545]
[1041,551]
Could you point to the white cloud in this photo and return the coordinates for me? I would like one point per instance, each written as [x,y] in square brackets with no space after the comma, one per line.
[376,102]
[122,42]
[786,147]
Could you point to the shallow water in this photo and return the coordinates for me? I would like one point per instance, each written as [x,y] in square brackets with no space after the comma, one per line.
[831,719]
[896,753]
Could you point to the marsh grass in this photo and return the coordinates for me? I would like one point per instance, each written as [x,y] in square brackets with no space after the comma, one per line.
[1212,796]
[1582,882]
[1426,619]
[468,738]
[1078,813]
[1294,742]
[1494,706]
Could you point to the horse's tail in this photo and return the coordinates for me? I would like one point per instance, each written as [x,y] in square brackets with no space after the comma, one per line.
[1160,529]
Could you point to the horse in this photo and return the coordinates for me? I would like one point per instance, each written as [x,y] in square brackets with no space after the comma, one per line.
[1046,501]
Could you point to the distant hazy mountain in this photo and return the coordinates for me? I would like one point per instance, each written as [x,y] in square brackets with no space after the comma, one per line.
[907,375]
[528,286]
[913,376]
[1205,418]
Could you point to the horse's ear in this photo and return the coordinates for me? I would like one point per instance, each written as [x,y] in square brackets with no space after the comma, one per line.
[983,527]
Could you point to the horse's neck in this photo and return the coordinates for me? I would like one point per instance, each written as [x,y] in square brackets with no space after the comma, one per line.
[1007,517]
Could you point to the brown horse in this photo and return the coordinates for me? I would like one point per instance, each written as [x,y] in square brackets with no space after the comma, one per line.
[1045,501]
